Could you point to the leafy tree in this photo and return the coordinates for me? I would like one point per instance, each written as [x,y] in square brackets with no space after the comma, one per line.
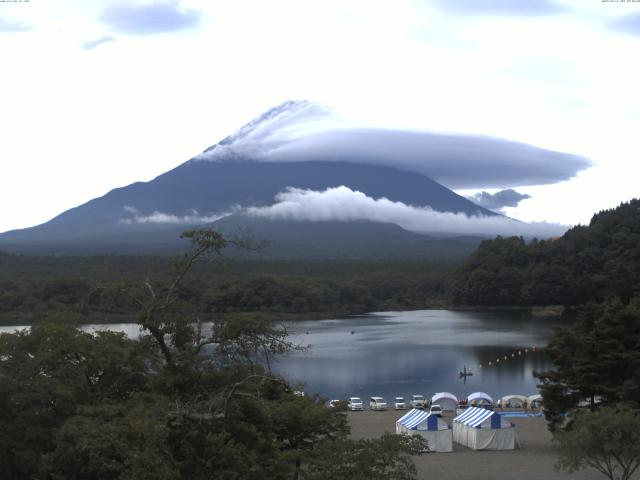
[46,374]
[387,458]
[185,400]
[599,356]
[607,440]
[114,441]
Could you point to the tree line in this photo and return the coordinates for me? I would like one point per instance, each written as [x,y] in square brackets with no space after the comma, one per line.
[90,287]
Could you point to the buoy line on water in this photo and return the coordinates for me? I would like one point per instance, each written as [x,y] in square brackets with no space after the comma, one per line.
[515,355]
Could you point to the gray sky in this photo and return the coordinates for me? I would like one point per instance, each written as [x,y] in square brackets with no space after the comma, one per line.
[97,95]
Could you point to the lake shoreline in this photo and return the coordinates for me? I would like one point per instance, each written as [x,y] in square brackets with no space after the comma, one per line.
[548,311]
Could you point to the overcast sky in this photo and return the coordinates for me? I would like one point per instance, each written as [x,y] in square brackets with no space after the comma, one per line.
[96,95]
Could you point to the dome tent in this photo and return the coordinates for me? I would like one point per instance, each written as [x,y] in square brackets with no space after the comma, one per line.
[479,398]
[513,401]
[481,429]
[534,401]
[448,401]
[431,427]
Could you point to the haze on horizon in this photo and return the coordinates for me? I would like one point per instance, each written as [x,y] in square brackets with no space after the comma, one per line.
[100,96]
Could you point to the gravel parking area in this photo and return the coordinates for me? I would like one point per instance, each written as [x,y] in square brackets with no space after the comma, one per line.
[534,460]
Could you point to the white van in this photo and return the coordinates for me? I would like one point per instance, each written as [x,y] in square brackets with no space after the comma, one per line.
[418,401]
[354,404]
[377,403]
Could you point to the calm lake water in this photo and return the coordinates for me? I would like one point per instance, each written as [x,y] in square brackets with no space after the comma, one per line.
[402,353]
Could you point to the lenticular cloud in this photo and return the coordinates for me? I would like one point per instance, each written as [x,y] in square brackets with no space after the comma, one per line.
[344,204]
[306,131]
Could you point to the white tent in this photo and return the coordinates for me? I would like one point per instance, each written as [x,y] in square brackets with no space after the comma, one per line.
[534,401]
[479,398]
[513,401]
[448,401]
[481,429]
[435,430]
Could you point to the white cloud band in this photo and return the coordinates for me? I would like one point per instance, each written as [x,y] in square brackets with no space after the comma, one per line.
[194,218]
[344,204]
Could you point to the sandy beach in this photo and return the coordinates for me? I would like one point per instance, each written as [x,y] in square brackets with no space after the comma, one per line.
[534,460]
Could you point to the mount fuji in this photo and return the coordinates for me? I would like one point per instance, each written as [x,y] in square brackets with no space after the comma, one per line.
[298,177]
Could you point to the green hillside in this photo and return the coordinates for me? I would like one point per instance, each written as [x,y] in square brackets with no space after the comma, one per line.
[586,264]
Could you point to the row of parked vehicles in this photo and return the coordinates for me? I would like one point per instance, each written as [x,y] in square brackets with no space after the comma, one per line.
[379,403]
[356,404]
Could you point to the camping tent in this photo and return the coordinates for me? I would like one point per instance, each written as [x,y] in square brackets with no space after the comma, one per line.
[513,401]
[534,401]
[481,429]
[418,422]
[479,398]
[448,401]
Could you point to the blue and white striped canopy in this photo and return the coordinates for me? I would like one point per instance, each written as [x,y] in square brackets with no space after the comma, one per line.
[473,417]
[415,417]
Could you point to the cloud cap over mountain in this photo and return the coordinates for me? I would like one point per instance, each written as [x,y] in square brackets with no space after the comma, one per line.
[306,131]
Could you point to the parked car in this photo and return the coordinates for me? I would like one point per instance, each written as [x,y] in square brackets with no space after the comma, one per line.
[399,403]
[377,403]
[334,403]
[436,410]
[354,404]
[418,401]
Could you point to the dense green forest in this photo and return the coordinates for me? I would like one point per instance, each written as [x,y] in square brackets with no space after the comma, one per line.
[32,287]
[585,265]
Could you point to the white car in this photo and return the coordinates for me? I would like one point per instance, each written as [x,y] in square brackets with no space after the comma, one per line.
[354,404]
[436,410]
[377,403]
[334,403]
[417,401]
[399,403]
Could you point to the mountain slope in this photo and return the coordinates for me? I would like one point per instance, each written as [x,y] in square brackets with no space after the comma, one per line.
[215,188]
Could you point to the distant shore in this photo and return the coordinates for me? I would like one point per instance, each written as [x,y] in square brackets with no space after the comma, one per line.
[543,311]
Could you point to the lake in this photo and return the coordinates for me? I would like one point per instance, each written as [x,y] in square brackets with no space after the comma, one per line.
[403,353]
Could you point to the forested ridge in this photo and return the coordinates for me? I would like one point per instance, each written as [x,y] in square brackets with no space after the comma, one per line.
[91,287]
[584,265]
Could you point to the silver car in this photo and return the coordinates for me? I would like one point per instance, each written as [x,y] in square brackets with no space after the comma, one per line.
[355,404]
[399,403]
